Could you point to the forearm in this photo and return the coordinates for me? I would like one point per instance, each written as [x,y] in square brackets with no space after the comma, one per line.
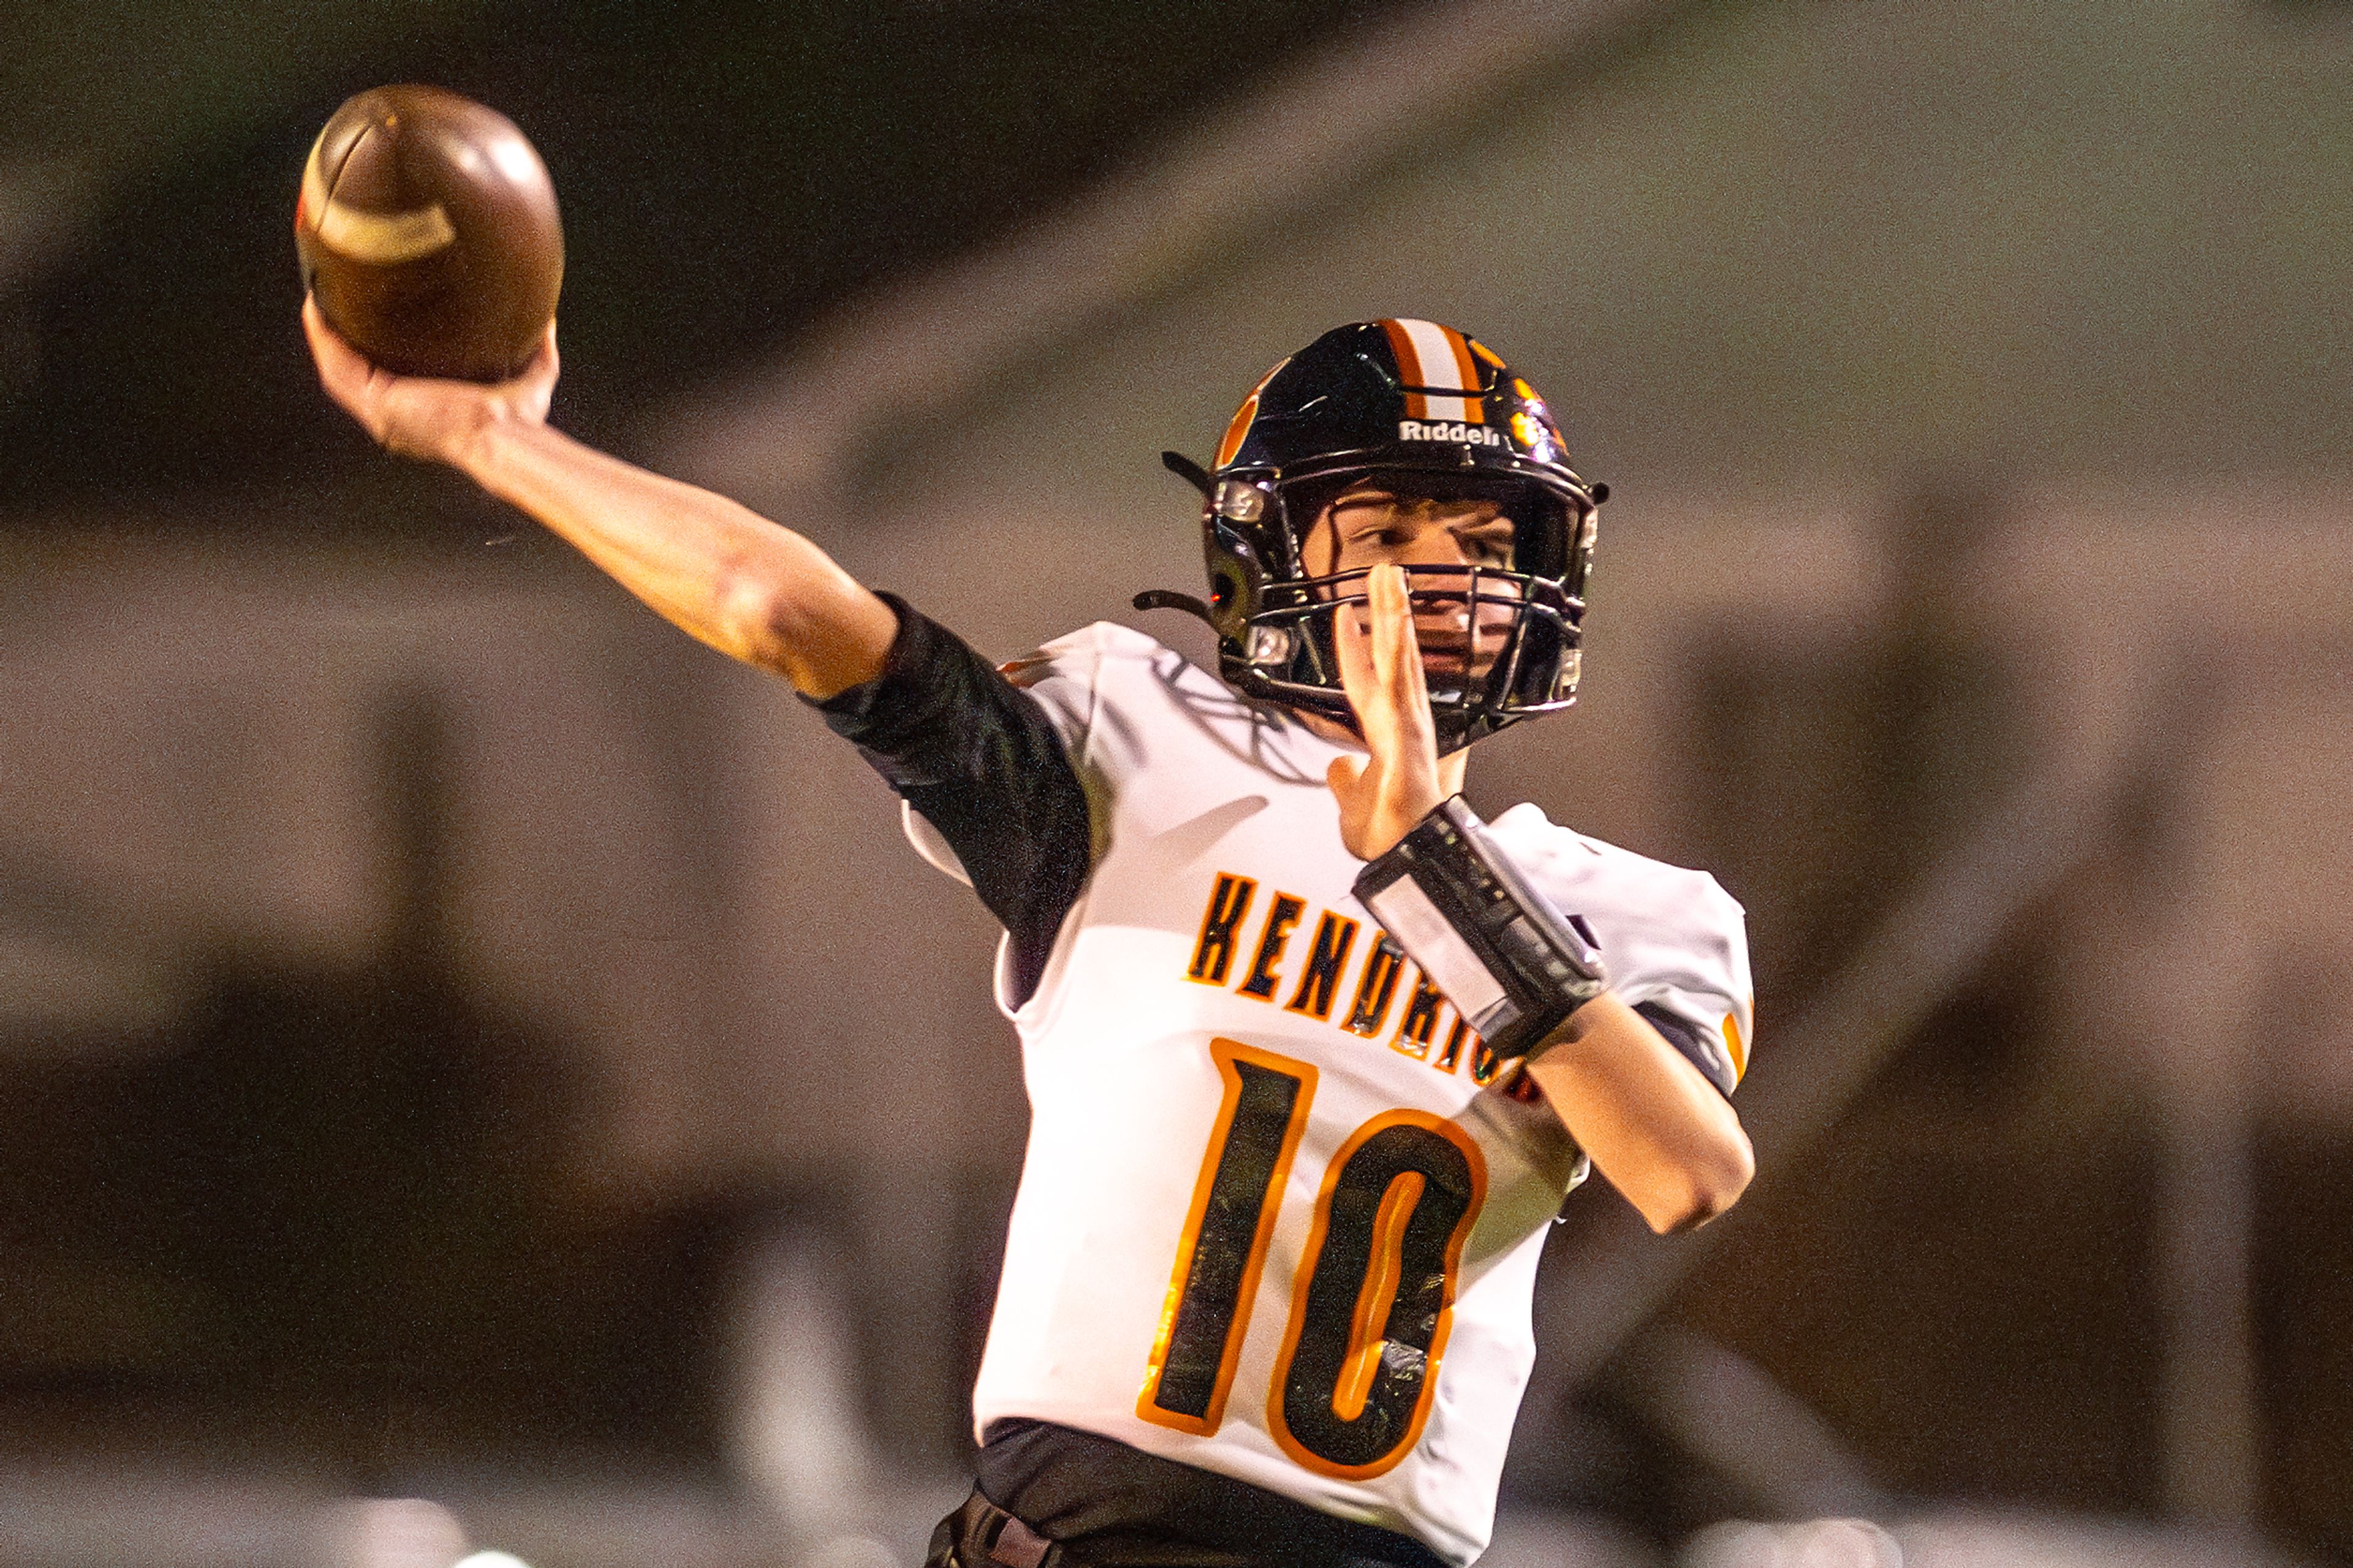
[720,572]
[1652,1124]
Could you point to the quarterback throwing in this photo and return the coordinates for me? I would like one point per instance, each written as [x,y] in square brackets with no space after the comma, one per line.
[1313,1054]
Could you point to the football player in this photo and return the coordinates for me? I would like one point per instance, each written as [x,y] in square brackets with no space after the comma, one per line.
[1313,1054]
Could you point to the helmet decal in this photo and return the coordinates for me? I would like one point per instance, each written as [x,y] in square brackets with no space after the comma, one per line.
[1437,360]
[1533,438]
[1239,430]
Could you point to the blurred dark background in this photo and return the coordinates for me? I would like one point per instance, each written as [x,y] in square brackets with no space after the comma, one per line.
[742,168]
[463,1041]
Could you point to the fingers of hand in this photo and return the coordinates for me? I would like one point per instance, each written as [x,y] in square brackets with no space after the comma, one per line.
[1356,676]
[1400,651]
[348,377]
[1373,696]
[536,380]
[1405,691]
[1392,608]
[1379,645]
[1382,794]
[338,363]
[1345,773]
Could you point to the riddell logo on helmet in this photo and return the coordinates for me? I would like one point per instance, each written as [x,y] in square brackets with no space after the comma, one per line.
[1468,435]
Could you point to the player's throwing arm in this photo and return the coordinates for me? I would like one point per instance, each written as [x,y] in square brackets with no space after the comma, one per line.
[718,570]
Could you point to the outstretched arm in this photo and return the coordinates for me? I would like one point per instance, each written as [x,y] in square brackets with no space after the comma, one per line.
[979,759]
[722,572]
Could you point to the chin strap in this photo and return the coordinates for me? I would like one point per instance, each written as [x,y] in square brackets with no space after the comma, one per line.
[1169,599]
[1191,472]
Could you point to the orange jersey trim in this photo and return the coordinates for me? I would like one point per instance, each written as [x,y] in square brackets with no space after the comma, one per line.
[1368,1326]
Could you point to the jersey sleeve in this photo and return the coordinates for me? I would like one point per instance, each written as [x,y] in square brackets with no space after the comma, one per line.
[982,761]
[1681,961]
[1675,943]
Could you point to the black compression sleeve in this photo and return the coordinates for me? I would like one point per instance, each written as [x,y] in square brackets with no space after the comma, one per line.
[982,762]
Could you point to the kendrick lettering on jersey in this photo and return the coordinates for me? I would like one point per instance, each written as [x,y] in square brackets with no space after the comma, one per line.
[1317,987]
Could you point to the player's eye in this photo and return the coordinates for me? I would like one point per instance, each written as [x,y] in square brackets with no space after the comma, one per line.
[1488,544]
[1386,536]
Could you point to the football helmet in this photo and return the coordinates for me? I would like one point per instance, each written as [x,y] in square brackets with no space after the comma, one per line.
[1445,414]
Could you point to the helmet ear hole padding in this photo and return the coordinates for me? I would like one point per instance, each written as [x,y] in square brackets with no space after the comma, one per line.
[1303,503]
[1237,581]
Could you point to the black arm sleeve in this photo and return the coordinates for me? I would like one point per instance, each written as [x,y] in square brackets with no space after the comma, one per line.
[981,762]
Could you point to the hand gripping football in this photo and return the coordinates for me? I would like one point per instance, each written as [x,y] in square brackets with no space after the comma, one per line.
[427,231]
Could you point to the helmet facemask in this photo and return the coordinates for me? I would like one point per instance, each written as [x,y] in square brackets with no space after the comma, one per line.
[1499,644]
[1428,409]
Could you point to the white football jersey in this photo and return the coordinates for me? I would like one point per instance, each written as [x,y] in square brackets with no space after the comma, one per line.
[1281,1216]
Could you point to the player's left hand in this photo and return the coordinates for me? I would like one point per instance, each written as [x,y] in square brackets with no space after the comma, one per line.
[1382,794]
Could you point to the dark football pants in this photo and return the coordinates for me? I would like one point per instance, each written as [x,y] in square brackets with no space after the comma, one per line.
[981,1535]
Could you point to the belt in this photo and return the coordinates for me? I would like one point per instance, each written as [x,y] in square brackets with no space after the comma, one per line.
[982,1527]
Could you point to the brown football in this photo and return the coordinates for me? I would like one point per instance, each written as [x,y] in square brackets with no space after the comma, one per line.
[427,229]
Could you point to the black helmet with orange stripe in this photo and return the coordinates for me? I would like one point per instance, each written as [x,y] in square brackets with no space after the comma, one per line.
[1429,408]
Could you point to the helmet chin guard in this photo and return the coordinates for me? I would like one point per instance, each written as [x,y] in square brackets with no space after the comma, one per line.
[1431,410]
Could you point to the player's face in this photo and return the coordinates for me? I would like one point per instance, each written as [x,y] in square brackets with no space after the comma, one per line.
[1422,523]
